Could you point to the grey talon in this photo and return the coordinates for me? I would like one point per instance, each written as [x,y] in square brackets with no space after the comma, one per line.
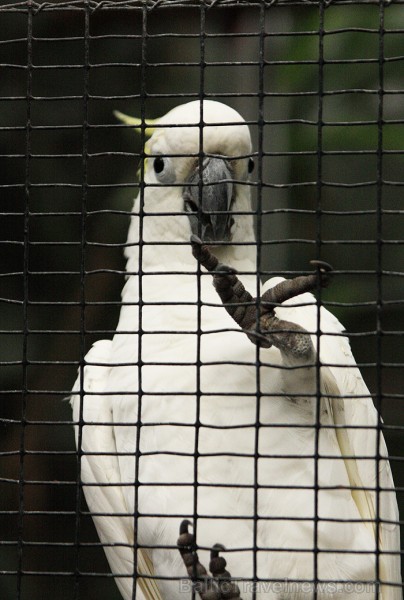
[184,526]
[324,271]
[202,253]
[322,265]
[216,549]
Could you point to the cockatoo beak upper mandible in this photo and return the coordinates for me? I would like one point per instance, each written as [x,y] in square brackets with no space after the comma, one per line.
[209,200]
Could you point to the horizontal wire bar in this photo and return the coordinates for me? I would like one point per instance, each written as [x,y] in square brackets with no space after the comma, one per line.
[207,35]
[157,5]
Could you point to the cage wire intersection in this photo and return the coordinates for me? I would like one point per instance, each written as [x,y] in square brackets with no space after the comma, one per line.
[320,85]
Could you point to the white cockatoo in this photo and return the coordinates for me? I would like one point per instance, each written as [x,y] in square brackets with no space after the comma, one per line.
[271,448]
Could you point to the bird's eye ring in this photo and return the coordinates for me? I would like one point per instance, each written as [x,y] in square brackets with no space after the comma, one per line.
[164,169]
[251,165]
[158,164]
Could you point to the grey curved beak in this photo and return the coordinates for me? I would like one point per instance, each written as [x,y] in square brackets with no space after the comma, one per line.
[209,205]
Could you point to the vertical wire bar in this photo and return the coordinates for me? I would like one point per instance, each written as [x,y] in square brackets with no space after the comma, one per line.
[379,292]
[260,150]
[25,362]
[82,300]
[202,64]
[319,189]
[135,515]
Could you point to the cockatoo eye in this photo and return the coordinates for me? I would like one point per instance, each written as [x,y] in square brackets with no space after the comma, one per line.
[251,165]
[158,164]
[164,170]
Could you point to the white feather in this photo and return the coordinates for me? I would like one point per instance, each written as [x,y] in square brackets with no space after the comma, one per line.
[99,472]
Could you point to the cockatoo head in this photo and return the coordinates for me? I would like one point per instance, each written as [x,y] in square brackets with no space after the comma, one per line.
[198,160]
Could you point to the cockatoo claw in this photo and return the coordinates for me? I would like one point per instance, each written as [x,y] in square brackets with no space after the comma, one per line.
[202,254]
[218,586]
[184,526]
[216,548]
[256,317]
[324,271]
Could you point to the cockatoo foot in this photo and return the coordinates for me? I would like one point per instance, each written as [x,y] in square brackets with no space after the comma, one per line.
[218,585]
[256,316]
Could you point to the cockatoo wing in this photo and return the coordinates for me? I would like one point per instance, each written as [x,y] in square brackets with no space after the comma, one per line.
[100,475]
[362,436]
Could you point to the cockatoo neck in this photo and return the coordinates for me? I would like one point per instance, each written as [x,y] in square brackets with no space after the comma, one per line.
[161,243]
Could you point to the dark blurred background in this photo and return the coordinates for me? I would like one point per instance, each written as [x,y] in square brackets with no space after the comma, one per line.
[354,219]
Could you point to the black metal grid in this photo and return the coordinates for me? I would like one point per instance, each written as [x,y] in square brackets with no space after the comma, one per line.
[328,184]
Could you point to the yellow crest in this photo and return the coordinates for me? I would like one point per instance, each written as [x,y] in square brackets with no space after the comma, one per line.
[136,123]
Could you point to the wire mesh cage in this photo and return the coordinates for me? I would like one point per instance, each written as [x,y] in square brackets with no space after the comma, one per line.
[199,422]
